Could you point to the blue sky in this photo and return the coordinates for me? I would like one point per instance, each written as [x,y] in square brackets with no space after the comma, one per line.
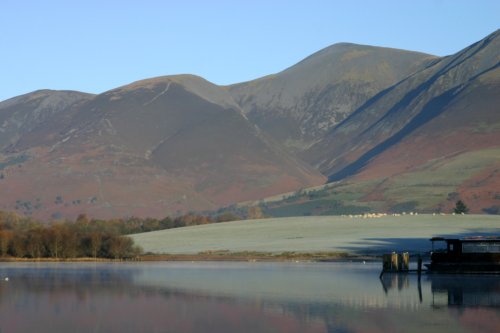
[94,46]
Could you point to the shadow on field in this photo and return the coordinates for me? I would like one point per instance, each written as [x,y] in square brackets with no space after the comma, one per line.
[379,246]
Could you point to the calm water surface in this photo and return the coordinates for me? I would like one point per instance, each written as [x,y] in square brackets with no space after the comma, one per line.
[240,297]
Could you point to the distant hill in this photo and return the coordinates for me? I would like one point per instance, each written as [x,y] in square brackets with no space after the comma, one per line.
[153,147]
[299,105]
[391,130]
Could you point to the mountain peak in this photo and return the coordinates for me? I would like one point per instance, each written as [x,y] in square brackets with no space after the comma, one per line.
[44,94]
[350,53]
[305,100]
[192,83]
[182,79]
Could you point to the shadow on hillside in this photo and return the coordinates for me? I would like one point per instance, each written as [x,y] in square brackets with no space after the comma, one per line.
[379,246]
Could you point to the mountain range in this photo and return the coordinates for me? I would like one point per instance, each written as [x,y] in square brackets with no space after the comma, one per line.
[393,128]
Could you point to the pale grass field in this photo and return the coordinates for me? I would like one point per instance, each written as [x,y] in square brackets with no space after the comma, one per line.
[357,235]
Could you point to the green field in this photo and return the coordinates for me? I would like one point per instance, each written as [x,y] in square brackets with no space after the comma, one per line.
[354,235]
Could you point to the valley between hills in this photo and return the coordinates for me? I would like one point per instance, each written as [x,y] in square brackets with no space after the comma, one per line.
[350,129]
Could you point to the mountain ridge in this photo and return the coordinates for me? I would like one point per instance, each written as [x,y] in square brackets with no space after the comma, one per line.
[392,128]
[196,146]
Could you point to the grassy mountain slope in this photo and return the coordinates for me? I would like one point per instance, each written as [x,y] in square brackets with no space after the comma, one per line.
[397,112]
[458,153]
[421,144]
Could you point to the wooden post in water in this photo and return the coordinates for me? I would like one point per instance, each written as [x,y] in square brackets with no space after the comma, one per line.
[386,263]
[404,261]
[394,262]
[419,266]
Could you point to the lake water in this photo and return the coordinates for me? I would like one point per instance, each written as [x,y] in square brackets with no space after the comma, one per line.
[240,297]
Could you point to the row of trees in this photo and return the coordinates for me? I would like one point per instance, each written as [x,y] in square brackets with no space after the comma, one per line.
[134,225]
[22,237]
[25,237]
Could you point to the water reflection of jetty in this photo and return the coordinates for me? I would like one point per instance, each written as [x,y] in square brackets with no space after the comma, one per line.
[399,282]
[449,290]
[465,291]
[395,281]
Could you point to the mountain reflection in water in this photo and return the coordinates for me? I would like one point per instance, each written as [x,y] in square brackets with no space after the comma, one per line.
[239,297]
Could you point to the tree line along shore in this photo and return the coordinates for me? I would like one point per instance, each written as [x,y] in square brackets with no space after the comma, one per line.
[26,238]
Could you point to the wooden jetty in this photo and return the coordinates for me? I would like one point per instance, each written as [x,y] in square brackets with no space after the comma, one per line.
[399,263]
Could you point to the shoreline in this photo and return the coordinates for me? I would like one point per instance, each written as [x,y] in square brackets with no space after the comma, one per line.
[216,256]
[260,257]
[15,259]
